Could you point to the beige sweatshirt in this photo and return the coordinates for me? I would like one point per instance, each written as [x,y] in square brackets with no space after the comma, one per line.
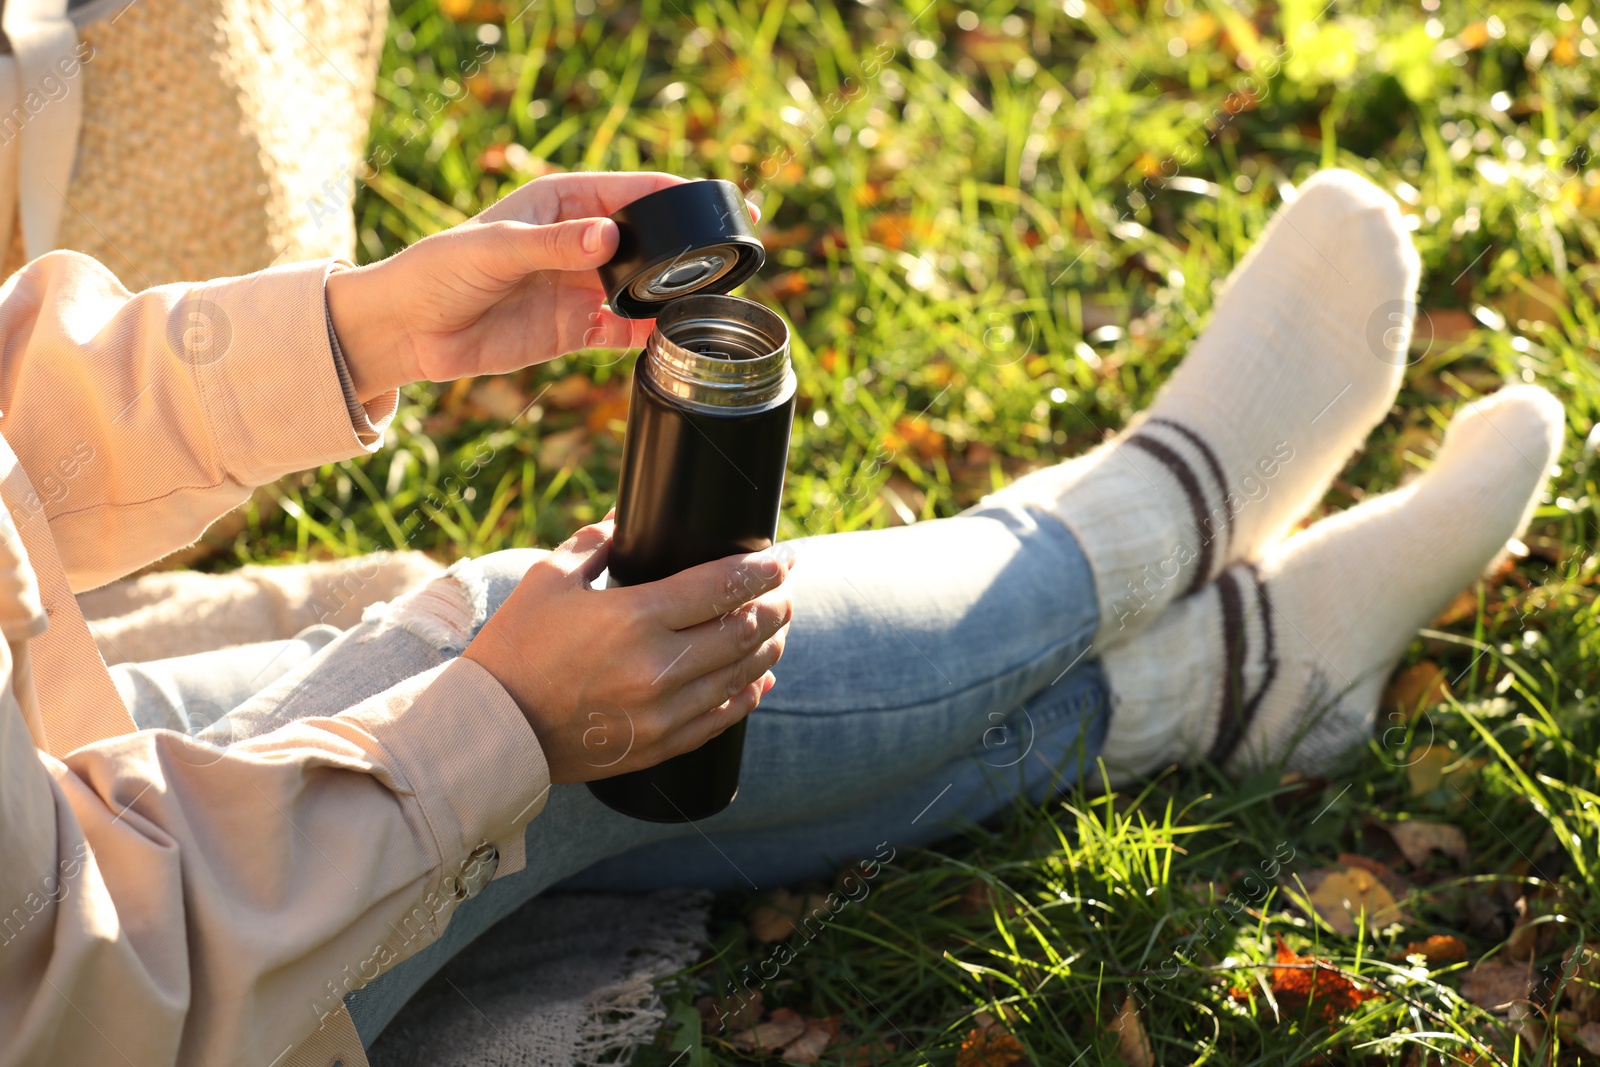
[164,902]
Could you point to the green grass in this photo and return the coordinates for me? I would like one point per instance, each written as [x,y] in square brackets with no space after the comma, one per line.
[960,223]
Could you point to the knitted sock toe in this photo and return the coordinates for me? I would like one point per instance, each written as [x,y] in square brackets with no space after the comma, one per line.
[1284,660]
[1247,433]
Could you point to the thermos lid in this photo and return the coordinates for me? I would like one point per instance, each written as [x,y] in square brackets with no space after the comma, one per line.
[689,238]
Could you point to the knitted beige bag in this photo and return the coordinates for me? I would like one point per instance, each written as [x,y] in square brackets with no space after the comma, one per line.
[184,139]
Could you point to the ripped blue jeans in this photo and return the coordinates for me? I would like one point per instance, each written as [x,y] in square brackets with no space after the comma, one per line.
[933,673]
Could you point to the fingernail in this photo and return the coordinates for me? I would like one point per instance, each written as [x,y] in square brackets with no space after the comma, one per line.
[768,680]
[594,236]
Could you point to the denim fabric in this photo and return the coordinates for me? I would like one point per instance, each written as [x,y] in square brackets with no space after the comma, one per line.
[933,673]
[191,693]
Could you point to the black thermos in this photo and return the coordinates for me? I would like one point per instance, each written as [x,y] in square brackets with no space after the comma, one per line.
[707,439]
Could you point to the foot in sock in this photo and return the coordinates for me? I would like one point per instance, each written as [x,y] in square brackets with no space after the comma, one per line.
[1282,661]
[1245,436]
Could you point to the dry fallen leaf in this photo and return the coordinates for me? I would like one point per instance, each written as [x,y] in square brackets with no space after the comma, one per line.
[490,92]
[1528,1023]
[806,1049]
[809,1046]
[915,434]
[493,157]
[795,236]
[782,913]
[1462,608]
[1417,688]
[1582,991]
[789,284]
[781,1027]
[1488,914]
[897,230]
[1440,948]
[1522,944]
[1417,839]
[987,46]
[1342,895]
[776,918]
[1425,770]
[1495,985]
[1445,326]
[721,1014]
[1133,1044]
[497,398]
[1397,886]
[608,411]
[988,1044]
[566,448]
[470,10]
[868,1052]
[1302,789]
[569,393]
[1302,981]
[1589,1037]
[1476,35]
[1538,305]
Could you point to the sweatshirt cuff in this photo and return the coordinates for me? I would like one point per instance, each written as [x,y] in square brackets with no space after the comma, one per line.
[265,361]
[370,418]
[469,756]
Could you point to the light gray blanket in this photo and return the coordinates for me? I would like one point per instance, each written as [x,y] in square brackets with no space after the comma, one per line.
[565,981]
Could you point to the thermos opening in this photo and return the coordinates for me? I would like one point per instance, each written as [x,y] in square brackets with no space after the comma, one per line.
[720,353]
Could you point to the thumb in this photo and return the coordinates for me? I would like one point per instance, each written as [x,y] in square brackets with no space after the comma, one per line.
[520,248]
[585,553]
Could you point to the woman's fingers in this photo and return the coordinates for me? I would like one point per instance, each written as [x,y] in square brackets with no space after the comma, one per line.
[577,195]
[709,724]
[604,328]
[713,689]
[557,197]
[729,638]
[711,590]
[586,552]
[510,251]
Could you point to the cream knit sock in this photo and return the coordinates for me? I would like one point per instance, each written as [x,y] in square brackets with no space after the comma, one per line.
[1283,660]
[1245,436]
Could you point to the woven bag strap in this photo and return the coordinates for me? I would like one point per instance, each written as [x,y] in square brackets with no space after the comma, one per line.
[41,112]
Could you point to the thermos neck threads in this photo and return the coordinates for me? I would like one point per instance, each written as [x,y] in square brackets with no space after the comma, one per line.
[719,353]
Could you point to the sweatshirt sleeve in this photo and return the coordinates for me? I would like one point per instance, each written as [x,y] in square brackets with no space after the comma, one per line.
[180,903]
[141,418]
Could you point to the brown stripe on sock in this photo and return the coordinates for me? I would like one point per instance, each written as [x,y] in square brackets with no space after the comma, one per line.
[1269,653]
[1212,464]
[1269,667]
[1180,469]
[1229,717]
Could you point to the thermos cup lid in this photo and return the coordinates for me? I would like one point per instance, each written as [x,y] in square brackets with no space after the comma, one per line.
[689,238]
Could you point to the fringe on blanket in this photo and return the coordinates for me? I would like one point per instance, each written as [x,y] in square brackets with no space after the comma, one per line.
[623,1016]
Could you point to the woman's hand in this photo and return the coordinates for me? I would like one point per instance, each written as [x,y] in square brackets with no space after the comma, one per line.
[514,286]
[616,680]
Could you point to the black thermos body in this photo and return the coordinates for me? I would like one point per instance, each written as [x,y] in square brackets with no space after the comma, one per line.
[703,462]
